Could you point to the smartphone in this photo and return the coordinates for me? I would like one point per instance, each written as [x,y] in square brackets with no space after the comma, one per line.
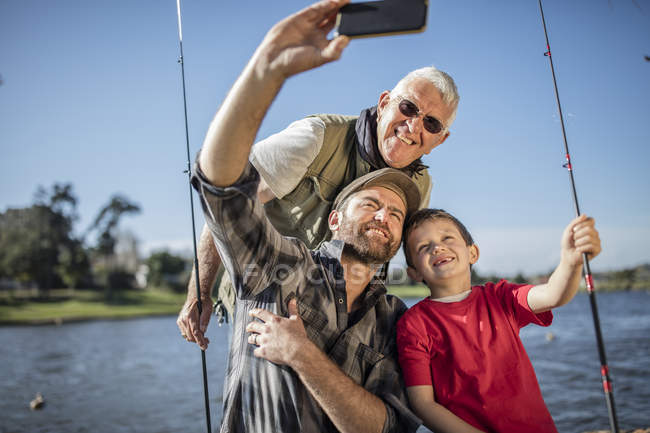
[382,18]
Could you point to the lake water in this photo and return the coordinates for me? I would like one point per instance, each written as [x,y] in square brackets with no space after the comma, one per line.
[140,376]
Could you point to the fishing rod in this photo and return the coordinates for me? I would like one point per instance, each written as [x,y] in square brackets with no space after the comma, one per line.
[189,184]
[604,369]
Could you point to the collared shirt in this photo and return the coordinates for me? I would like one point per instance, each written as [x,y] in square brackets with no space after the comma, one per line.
[268,270]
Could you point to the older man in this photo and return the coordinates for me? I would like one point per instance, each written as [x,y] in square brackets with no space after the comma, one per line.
[307,164]
[321,355]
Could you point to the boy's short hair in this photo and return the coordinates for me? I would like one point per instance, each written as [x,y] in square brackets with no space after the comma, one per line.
[427,215]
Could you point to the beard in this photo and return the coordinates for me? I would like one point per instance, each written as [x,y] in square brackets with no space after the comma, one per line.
[367,249]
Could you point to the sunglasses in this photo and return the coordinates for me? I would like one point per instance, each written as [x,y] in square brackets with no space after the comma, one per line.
[430,123]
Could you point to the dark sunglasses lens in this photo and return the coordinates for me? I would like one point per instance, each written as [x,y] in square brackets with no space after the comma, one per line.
[408,108]
[432,124]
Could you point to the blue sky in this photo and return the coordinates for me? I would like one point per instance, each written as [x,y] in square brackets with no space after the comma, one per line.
[91,95]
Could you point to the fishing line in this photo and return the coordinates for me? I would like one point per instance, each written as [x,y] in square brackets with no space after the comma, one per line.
[189,184]
[604,369]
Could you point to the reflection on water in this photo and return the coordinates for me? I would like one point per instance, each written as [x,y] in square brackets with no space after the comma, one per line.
[568,367]
[140,376]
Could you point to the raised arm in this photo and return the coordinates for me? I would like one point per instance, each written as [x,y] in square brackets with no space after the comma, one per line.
[579,237]
[296,44]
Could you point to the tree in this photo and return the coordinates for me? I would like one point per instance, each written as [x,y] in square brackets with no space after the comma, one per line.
[519,279]
[624,279]
[107,220]
[37,244]
[106,268]
[167,270]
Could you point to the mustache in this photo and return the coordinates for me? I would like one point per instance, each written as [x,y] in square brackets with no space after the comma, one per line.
[377,225]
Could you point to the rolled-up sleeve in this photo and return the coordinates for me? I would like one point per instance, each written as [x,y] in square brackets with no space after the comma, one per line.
[384,379]
[248,244]
[282,159]
[386,383]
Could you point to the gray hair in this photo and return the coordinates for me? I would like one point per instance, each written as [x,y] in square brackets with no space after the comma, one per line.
[441,80]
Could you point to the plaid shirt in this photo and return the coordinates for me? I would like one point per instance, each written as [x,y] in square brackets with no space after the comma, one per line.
[268,270]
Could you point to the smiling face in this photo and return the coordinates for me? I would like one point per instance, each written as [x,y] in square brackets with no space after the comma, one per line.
[402,139]
[441,257]
[370,224]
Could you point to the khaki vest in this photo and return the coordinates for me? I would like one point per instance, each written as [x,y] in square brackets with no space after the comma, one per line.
[303,212]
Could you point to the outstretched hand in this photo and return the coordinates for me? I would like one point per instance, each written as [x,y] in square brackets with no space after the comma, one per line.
[580,237]
[278,338]
[191,326]
[299,42]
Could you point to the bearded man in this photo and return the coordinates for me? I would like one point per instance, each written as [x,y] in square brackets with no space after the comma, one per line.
[313,345]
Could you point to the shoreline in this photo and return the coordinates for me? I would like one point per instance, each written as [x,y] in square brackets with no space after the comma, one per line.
[60,321]
[74,306]
[71,306]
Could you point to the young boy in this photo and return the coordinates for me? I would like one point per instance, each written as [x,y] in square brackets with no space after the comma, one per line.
[464,365]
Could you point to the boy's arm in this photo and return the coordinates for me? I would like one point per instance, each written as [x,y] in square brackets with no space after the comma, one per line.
[579,237]
[435,416]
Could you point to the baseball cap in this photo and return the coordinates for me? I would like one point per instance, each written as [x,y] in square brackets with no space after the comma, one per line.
[397,181]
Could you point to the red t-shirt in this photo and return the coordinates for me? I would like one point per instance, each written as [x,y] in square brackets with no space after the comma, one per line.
[470,352]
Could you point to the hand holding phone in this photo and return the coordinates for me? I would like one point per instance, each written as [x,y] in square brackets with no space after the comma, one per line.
[382,18]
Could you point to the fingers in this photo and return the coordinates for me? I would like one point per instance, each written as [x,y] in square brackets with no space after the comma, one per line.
[255,339]
[206,314]
[584,227]
[196,335]
[180,322]
[323,15]
[328,23]
[256,327]
[261,314]
[189,325]
[322,10]
[335,48]
[184,320]
[261,332]
[586,239]
[299,42]
[293,307]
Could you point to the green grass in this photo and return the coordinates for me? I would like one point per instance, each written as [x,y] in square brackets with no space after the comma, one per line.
[418,291]
[68,305]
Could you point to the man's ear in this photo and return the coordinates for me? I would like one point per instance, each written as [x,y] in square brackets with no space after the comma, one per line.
[473,254]
[414,274]
[334,220]
[437,143]
[446,136]
[384,99]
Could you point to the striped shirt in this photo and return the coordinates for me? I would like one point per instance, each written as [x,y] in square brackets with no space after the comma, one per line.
[268,270]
